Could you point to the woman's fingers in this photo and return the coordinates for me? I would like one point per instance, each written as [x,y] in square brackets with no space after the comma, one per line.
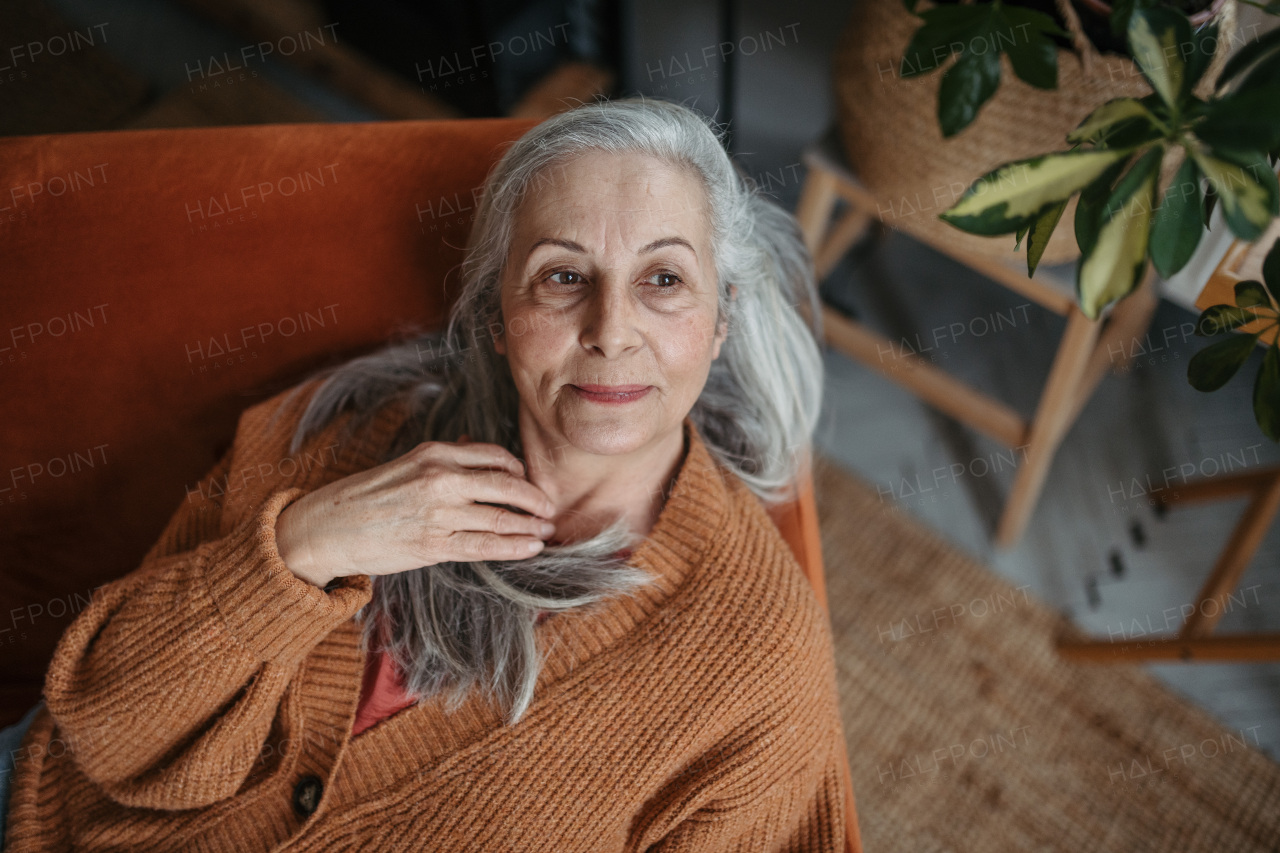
[501,487]
[466,545]
[493,519]
[475,454]
[443,501]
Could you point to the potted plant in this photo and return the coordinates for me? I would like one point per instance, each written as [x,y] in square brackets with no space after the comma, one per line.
[1229,140]
[1255,303]
[1029,32]
[889,101]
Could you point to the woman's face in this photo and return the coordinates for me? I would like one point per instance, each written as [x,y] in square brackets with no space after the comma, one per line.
[609,303]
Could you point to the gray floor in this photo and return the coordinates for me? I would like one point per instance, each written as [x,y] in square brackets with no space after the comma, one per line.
[1093,548]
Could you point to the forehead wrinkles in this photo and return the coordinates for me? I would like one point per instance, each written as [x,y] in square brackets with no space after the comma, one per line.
[575,203]
[634,193]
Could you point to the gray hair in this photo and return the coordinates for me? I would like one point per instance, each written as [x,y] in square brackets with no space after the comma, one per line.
[456,625]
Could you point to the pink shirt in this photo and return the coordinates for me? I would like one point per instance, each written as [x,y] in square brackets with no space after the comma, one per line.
[382,692]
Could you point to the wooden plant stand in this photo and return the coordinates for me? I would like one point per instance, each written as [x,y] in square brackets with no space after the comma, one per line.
[1087,350]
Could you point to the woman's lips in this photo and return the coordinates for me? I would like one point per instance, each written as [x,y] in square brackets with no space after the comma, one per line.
[611,393]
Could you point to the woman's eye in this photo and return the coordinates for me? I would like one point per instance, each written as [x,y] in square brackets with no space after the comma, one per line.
[664,279]
[565,277]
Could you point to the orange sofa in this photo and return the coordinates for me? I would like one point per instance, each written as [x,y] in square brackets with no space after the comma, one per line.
[158,282]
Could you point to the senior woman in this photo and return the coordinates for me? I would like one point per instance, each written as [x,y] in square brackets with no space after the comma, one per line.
[533,600]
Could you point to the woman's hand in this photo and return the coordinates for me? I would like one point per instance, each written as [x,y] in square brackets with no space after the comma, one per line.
[429,506]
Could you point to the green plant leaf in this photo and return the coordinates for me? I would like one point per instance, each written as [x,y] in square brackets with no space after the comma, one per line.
[1120,12]
[1271,269]
[1033,56]
[1217,319]
[1022,232]
[1176,228]
[1248,187]
[1009,196]
[1034,20]
[1134,133]
[946,29]
[1204,43]
[1155,36]
[1041,230]
[1115,265]
[1145,167]
[1247,55]
[1265,73]
[1251,293]
[1266,394]
[1247,118]
[1107,116]
[1194,108]
[967,85]
[1213,366]
[1210,198]
[1091,206]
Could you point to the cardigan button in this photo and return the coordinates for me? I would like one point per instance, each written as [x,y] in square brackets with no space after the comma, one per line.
[306,795]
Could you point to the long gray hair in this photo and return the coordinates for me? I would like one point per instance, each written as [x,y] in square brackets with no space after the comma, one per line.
[457,625]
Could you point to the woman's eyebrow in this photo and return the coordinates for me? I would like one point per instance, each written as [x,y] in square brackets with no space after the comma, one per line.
[556,241]
[668,241]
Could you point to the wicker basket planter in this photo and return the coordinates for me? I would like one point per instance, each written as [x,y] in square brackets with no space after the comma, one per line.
[889,124]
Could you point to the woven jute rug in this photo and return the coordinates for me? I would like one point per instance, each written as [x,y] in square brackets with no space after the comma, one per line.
[966,731]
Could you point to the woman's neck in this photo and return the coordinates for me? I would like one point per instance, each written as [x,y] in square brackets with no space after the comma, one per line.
[590,491]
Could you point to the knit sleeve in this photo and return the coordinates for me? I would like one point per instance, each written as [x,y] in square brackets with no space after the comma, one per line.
[166,685]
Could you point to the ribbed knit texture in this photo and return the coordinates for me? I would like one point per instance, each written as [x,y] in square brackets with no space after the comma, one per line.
[382,692]
[185,704]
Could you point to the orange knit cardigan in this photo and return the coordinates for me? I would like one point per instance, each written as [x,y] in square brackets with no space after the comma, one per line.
[205,701]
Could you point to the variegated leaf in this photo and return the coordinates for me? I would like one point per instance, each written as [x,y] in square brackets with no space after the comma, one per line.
[1156,36]
[1107,116]
[1005,199]
[1248,194]
[1113,269]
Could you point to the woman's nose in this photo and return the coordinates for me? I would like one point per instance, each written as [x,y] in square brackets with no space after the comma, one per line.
[610,322]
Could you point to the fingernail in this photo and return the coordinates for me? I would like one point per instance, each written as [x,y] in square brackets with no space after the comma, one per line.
[547,529]
[535,546]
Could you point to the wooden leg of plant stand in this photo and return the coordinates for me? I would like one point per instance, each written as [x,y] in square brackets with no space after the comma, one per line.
[817,201]
[927,381]
[1195,640]
[1052,420]
[1129,319]
[1243,544]
[1235,647]
[1216,488]
[847,230]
